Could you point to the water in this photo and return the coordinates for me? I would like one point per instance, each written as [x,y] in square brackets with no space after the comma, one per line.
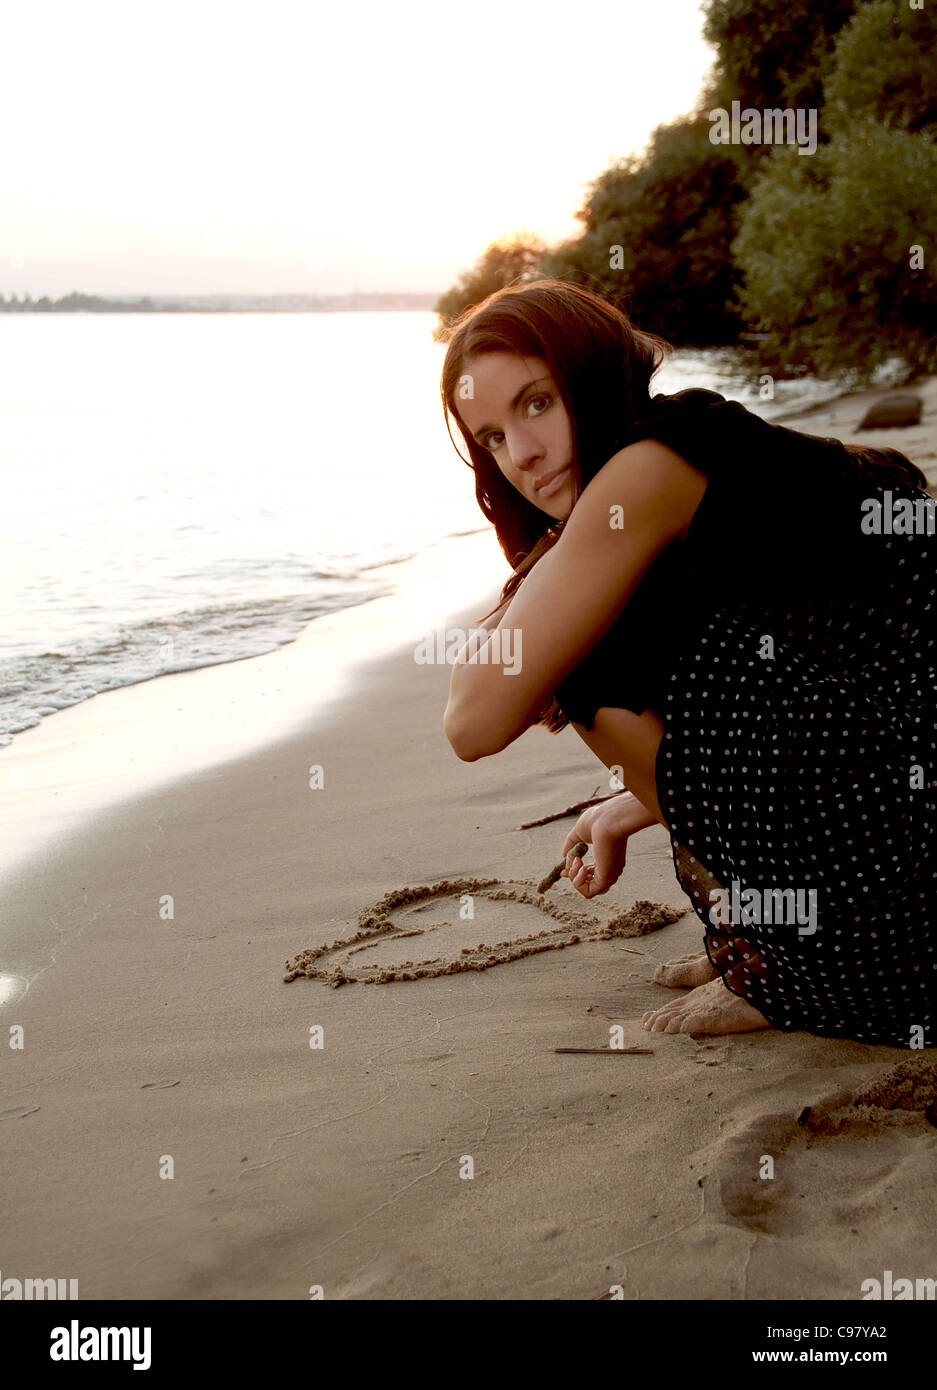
[184,490]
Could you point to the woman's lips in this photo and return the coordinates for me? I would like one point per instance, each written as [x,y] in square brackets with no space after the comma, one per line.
[554,485]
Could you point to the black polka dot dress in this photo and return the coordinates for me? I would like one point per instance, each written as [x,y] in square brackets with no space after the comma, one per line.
[788,646]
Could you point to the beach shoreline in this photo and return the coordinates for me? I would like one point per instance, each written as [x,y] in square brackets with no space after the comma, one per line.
[181,1123]
[126,742]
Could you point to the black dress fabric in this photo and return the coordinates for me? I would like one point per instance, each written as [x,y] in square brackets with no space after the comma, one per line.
[791,658]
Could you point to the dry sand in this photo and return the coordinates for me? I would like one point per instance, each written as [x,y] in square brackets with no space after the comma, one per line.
[157,1024]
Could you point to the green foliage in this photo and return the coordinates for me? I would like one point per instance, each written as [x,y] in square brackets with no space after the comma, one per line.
[771,54]
[826,242]
[886,68]
[505,260]
[657,235]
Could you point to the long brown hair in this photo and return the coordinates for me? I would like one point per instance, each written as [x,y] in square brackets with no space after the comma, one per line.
[602,366]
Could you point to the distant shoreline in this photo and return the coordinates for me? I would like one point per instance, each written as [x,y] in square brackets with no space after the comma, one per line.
[388,301]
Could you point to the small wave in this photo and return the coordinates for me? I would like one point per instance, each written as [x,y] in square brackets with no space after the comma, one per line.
[38,684]
[390,560]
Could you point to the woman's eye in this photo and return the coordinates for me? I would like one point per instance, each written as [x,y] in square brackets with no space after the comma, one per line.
[496,438]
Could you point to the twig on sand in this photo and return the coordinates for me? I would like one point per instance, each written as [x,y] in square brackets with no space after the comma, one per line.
[607,1051]
[570,811]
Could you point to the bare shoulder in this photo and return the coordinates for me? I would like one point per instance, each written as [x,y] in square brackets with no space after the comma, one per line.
[646,484]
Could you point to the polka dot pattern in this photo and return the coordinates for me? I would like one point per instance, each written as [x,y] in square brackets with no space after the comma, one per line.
[799,757]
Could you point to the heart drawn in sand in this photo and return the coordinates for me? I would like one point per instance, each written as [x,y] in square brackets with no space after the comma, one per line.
[376,927]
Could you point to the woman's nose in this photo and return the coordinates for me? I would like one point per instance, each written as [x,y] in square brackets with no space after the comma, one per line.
[523,448]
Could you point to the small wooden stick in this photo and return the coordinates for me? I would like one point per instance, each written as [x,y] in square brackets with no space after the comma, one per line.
[607,1051]
[570,811]
[579,848]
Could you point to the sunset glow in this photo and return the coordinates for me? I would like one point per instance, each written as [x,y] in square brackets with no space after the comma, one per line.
[209,148]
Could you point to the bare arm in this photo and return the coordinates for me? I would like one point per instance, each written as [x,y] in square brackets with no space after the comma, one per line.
[476,639]
[573,594]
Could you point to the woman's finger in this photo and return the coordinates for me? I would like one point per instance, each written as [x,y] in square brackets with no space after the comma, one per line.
[583,881]
[575,837]
[573,867]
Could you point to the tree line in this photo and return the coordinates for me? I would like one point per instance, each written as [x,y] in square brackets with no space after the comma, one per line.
[827,256]
[72,303]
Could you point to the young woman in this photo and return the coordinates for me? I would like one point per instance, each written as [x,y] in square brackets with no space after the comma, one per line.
[726,611]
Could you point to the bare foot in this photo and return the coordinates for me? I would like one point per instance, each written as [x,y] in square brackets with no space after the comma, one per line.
[710,1008]
[695,969]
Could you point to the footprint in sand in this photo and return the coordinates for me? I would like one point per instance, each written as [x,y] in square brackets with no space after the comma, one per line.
[710,1054]
[339,962]
[852,1185]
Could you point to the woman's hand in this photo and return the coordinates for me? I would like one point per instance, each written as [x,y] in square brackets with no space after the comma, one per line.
[606,828]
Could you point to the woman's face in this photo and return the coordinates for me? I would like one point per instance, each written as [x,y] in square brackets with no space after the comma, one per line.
[512,408]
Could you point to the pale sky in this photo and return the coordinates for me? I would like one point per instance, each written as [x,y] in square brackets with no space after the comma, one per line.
[262,146]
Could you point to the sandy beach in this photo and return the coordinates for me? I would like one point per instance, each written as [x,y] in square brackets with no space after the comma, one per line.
[179,1122]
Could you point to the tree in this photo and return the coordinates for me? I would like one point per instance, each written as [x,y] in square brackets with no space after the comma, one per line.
[503,261]
[658,231]
[885,68]
[839,251]
[771,55]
